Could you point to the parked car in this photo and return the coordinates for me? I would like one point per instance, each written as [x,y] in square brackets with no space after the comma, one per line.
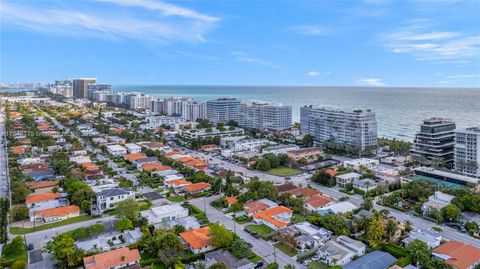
[315,258]
[306,262]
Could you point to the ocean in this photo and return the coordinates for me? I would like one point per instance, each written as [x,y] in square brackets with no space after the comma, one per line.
[399,111]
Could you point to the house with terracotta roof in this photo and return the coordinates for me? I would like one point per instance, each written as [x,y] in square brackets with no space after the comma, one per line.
[19,150]
[56,214]
[133,157]
[155,166]
[259,205]
[275,217]
[173,153]
[119,258]
[458,254]
[209,147]
[155,146]
[285,187]
[304,192]
[42,200]
[197,240]
[316,202]
[42,186]
[197,188]
[331,172]
[177,183]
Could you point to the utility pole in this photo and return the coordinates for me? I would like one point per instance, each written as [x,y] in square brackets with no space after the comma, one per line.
[274,253]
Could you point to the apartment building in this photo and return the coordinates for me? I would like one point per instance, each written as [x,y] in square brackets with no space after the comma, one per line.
[222,110]
[435,140]
[194,110]
[80,87]
[356,129]
[138,101]
[264,116]
[467,151]
[107,199]
[92,88]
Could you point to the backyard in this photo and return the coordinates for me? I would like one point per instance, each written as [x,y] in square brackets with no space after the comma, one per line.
[260,229]
[317,265]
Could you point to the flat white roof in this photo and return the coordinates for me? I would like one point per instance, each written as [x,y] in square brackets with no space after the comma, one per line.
[115,147]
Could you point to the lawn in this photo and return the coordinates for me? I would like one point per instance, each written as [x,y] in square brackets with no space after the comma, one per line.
[243,219]
[142,205]
[176,199]
[19,230]
[14,253]
[297,218]
[286,249]
[317,265]
[260,229]
[284,171]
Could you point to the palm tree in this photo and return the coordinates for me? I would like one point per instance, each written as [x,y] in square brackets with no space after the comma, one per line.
[391,229]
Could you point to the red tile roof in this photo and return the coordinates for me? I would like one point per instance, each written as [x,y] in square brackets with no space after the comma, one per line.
[171,153]
[331,172]
[42,184]
[58,211]
[254,206]
[304,192]
[197,186]
[111,259]
[197,238]
[462,255]
[318,201]
[269,214]
[34,198]
[134,157]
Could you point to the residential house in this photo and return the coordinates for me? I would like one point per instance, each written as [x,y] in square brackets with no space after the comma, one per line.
[56,214]
[333,253]
[164,213]
[438,201]
[133,148]
[311,235]
[432,239]
[118,258]
[110,240]
[285,187]
[107,199]
[259,205]
[275,217]
[365,184]
[132,157]
[359,164]
[42,186]
[460,255]
[308,154]
[117,140]
[344,179]
[43,201]
[116,150]
[197,240]
[374,260]
[225,257]
[352,244]
[317,202]
[197,188]
[337,208]
[304,192]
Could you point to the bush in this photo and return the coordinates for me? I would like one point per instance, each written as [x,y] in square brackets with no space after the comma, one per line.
[19,212]
[272,266]
[396,251]
[86,232]
[404,261]
[306,255]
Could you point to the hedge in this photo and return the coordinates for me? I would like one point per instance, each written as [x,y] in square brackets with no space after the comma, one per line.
[305,255]
[396,251]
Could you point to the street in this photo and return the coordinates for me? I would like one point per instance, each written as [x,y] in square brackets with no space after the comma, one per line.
[262,248]
[3,157]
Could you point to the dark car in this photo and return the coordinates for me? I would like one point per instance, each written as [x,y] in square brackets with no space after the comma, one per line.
[259,265]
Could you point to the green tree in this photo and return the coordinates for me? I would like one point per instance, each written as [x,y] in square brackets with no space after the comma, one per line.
[218,265]
[240,248]
[419,252]
[123,224]
[335,223]
[307,140]
[64,252]
[19,212]
[169,248]
[323,178]
[367,204]
[219,235]
[177,229]
[263,165]
[451,212]
[19,191]
[375,231]
[128,209]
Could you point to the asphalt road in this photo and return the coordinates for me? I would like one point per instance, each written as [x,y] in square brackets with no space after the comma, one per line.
[262,248]
[3,158]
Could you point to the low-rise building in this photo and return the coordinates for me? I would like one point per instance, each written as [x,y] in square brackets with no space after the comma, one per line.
[365,184]
[259,205]
[116,150]
[352,244]
[211,132]
[42,201]
[437,201]
[333,253]
[197,188]
[337,208]
[107,199]
[314,203]
[164,213]
[117,140]
[357,164]
[275,217]
[225,257]
[56,214]
[133,148]
[118,258]
[308,154]
[197,240]
[374,260]
[311,236]
[458,254]
[432,239]
[344,179]
[280,149]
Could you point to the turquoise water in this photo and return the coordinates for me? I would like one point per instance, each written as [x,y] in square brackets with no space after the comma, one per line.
[399,111]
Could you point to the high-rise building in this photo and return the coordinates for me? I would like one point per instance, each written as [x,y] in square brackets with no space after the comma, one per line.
[80,87]
[136,100]
[354,129]
[223,110]
[435,140]
[91,88]
[467,151]
[273,117]
[193,110]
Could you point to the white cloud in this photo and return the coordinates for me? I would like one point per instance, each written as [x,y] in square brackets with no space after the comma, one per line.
[311,30]
[464,76]
[245,57]
[376,82]
[313,74]
[187,26]
[419,40]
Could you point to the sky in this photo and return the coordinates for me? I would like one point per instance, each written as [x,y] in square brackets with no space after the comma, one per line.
[212,42]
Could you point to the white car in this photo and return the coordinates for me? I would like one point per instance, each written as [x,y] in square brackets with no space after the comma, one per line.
[307,262]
